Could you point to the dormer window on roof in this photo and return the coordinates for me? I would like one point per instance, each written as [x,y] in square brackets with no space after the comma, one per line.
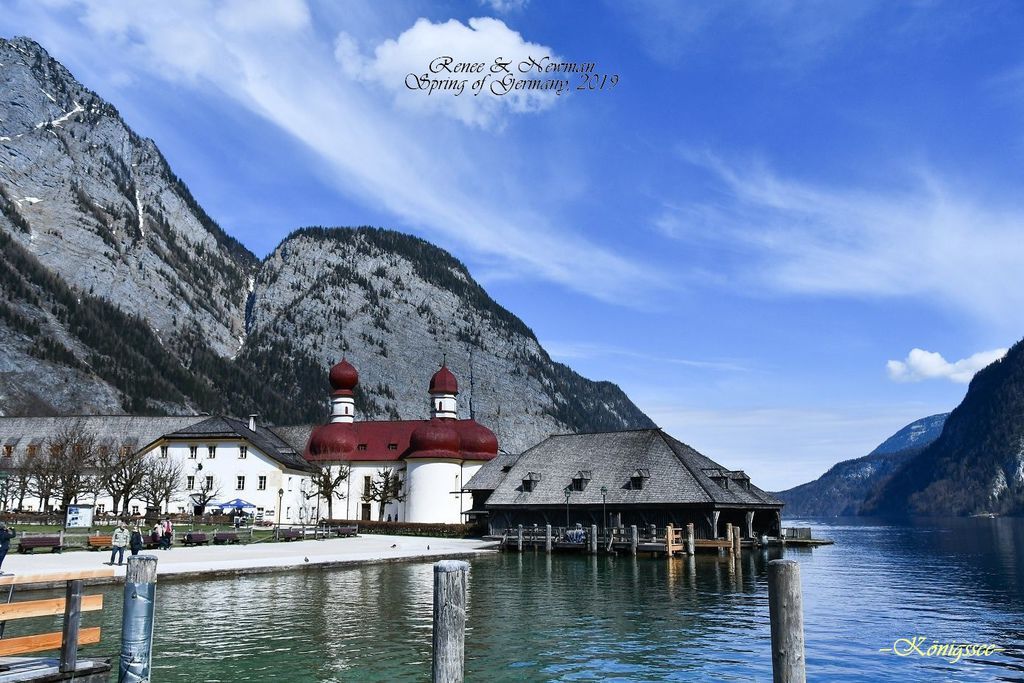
[636,480]
[530,480]
[580,481]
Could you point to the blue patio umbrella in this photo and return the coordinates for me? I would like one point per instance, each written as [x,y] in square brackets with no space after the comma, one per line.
[237,504]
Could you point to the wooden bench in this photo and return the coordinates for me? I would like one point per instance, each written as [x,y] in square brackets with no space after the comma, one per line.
[27,544]
[346,531]
[196,538]
[290,534]
[99,542]
[226,537]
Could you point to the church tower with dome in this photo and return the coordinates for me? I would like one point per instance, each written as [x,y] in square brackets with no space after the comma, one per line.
[432,458]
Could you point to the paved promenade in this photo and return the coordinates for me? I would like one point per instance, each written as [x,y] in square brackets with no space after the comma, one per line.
[223,560]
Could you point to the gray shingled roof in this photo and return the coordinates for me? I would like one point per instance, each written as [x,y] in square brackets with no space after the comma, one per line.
[263,438]
[297,436]
[675,469]
[491,473]
[112,430]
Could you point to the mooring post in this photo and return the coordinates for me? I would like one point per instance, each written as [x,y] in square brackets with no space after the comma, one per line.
[547,538]
[689,539]
[519,539]
[728,536]
[137,620]
[736,534]
[634,538]
[72,620]
[449,620]
[669,540]
[593,539]
[786,613]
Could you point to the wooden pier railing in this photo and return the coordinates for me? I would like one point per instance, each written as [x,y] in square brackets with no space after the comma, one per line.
[67,640]
[669,540]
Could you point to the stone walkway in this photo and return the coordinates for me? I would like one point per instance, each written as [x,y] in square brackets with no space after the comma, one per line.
[222,560]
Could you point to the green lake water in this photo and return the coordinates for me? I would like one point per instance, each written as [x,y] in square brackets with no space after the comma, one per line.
[534,617]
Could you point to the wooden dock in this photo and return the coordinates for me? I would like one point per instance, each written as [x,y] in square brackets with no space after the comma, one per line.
[17,669]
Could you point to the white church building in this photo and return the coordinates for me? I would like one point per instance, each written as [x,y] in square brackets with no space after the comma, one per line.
[431,458]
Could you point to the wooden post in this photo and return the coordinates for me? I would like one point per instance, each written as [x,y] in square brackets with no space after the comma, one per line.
[634,539]
[593,539]
[653,531]
[137,619]
[728,536]
[669,539]
[786,612]
[736,541]
[449,620]
[72,620]
[547,538]
[750,523]
[689,539]
[519,539]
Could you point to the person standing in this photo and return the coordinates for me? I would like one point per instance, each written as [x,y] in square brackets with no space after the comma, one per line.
[5,542]
[135,544]
[168,534]
[156,535]
[118,542]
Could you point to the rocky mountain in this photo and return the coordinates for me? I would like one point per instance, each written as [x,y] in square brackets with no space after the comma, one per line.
[843,489]
[977,463]
[119,293]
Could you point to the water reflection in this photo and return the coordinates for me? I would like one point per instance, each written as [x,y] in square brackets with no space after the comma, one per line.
[538,617]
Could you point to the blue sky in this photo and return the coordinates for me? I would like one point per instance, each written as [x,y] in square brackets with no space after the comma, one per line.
[789,229]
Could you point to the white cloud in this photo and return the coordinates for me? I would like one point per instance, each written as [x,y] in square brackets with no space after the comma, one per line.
[926,239]
[399,65]
[921,365]
[505,6]
[587,350]
[447,183]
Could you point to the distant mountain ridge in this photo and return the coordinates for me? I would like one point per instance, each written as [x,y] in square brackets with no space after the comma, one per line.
[843,489]
[119,293]
[977,463]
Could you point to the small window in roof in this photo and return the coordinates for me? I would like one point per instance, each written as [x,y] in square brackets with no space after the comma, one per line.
[361,447]
[580,481]
[636,480]
[392,446]
[530,481]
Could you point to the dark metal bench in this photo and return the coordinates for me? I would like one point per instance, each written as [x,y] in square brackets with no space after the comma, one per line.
[226,537]
[196,538]
[343,531]
[290,534]
[27,544]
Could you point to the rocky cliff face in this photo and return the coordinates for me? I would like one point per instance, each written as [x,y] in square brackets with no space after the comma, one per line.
[977,464]
[843,489]
[119,293]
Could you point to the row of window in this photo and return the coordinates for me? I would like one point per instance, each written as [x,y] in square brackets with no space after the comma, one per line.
[211,452]
[261,482]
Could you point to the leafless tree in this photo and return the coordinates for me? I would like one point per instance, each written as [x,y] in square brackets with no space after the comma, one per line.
[327,483]
[161,481]
[120,469]
[208,489]
[16,481]
[66,467]
[385,487]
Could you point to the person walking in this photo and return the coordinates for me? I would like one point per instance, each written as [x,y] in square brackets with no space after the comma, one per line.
[168,534]
[6,535]
[135,543]
[118,542]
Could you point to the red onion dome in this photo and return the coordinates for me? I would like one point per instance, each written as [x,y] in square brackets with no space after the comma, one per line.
[331,442]
[476,440]
[343,377]
[443,382]
[434,438]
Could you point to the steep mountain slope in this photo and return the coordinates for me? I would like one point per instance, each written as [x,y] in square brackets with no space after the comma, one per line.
[396,306]
[977,464]
[843,489]
[119,293]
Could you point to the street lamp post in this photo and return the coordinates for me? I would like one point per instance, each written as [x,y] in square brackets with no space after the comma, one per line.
[280,500]
[568,491]
[604,507]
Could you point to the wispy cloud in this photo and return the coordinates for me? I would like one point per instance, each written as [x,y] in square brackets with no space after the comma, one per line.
[921,365]
[451,186]
[927,238]
[505,6]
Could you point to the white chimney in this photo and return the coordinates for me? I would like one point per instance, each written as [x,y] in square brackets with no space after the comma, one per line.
[252,421]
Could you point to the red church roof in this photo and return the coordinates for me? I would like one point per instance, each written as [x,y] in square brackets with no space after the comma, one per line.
[392,440]
[444,382]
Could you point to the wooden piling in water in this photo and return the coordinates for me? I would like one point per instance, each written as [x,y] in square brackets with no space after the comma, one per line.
[592,541]
[728,536]
[72,621]
[137,620]
[634,539]
[449,621]
[736,547]
[547,538]
[519,538]
[690,539]
[786,613]
[669,540]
